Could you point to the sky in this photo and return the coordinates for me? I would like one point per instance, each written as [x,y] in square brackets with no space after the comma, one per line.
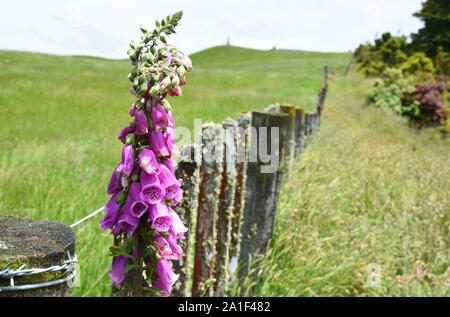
[104,28]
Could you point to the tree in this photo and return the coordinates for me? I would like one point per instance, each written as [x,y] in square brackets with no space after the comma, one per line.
[436,31]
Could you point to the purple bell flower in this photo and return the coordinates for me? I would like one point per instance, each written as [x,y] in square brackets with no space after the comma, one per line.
[164,249]
[127,165]
[151,190]
[115,184]
[148,162]
[177,229]
[169,139]
[137,207]
[169,183]
[123,135]
[141,122]
[158,144]
[127,221]
[166,277]
[117,274]
[160,217]
[112,214]
[160,117]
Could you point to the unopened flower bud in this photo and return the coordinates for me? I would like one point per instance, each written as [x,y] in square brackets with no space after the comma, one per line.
[154,89]
[144,30]
[166,105]
[130,138]
[181,71]
[165,83]
[175,81]
[187,63]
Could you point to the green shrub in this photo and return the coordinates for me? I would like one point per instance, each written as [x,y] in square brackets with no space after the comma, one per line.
[388,52]
[417,64]
[389,92]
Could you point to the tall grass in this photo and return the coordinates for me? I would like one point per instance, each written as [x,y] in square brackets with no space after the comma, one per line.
[59,118]
[368,192]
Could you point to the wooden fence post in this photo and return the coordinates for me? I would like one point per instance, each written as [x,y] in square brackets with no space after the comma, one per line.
[188,170]
[290,137]
[226,203]
[242,144]
[262,187]
[210,173]
[299,129]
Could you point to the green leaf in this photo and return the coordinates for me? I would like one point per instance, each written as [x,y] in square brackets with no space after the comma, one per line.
[117,251]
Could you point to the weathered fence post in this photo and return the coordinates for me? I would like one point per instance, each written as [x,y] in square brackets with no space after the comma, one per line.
[187,170]
[242,144]
[299,130]
[290,137]
[210,174]
[226,203]
[35,245]
[262,184]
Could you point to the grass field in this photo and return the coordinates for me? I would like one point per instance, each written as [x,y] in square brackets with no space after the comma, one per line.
[368,189]
[59,118]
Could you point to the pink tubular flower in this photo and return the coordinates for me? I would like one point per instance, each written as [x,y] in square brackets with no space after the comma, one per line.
[160,117]
[128,157]
[160,217]
[169,139]
[131,110]
[166,277]
[141,122]
[158,144]
[148,162]
[151,190]
[115,184]
[124,133]
[137,207]
[127,221]
[164,249]
[117,274]
[112,214]
[169,183]
[177,229]
[175,92]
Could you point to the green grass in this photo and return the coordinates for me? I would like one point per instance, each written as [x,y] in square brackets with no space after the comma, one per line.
[368,190]
[59,118]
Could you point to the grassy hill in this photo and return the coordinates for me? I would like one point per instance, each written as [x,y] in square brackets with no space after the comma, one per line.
[59,118]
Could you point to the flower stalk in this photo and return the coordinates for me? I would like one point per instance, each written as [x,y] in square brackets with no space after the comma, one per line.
[144,187]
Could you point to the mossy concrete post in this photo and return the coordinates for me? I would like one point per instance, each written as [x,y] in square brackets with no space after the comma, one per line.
[262,188]
[226,203]
[299,130]
[206,234]
[187,170]
[290,137]
[39,245]
[242,143]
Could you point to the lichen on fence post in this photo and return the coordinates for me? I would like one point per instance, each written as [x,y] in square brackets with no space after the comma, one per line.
[299,130]
[226,203]
[188,170]
[210,175]
[262,189]
[37,245]
[290,137]
[242,144]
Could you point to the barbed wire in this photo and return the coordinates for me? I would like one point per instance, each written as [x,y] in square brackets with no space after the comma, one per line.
[67,267]
[87,217]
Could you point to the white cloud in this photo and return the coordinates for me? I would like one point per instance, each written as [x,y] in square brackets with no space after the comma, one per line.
[104,28]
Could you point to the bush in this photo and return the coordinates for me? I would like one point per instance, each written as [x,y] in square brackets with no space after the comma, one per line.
[388,52]
[417,64]
[390,90]
[431,106]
